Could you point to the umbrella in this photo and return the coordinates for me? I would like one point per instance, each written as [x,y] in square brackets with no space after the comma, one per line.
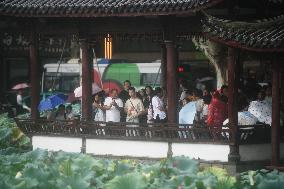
[262,110]
[20,86]
[95,89]
[187,113]
[205,79]
[244,118]
[52,101]
[71,98]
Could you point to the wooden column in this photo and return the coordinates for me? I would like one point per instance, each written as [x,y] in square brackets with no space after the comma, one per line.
[275,137]
[34,74]
[233,79]
[86,81]
[282,86]
[2,79]
[163,78]
[171,82]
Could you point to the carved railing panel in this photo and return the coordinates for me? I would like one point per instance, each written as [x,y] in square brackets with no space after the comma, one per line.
[152,132]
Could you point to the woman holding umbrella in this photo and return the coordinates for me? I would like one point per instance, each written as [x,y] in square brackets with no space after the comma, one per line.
[21,106]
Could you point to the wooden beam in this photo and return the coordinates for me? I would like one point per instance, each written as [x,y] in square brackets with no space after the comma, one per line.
[86,81]
[171,82]
[275,137]
[233,79]
[35,69]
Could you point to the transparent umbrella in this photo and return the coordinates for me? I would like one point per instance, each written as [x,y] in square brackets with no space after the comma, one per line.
[95,89]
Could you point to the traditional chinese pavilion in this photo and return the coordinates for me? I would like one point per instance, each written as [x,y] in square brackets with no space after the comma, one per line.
[264,37]
[166,23]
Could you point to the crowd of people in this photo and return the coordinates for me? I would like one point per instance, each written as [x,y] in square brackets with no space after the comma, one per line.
[143,106]
[211,107]
[148,105]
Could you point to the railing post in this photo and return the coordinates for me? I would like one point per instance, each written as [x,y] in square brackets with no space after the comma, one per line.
[171,82]
[275,137]
[233,79]
[83,148]
[34,74]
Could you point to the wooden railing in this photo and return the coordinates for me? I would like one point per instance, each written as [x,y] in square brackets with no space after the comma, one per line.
[152,132]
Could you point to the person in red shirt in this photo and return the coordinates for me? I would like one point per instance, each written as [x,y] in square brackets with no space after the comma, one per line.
[217,111]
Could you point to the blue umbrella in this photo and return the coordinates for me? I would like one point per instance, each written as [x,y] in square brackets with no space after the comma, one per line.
[52,101]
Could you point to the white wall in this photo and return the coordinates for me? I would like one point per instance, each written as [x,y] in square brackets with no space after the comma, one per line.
[258,152]
[57,143]
[150,149]
[127,148]
[207,152]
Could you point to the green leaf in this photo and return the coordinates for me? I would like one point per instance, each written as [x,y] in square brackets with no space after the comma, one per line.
[184,165]
[128,181]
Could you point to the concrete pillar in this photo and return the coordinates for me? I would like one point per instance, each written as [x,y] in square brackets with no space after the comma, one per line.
[34,74]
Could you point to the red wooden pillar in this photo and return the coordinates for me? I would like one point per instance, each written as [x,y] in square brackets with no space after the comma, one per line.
[34,75]
[171,82]
[163,78]
[86,81]
[233,79]
[275,140]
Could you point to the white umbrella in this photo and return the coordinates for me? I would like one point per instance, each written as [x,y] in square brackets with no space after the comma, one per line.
[244,118]
[262,110]
[95,89]
[187,113]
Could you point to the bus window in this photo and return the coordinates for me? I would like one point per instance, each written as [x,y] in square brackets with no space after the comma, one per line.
[62,83]
[150,79]
[51,83]
[69,83]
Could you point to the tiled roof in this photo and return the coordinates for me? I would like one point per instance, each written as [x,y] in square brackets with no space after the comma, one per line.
[276,1]
[98,8]
[263,35]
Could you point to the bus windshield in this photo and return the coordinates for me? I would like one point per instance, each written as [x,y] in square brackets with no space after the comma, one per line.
[66,83]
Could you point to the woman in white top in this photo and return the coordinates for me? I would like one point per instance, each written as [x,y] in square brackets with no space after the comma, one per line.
[69,113]
[98,109]
[159,110]
[23,107]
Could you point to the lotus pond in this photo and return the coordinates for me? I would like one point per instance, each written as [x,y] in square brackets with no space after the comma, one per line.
[21,168]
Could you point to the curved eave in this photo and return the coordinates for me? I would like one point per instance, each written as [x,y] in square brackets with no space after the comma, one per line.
[109,14]
[235,44]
